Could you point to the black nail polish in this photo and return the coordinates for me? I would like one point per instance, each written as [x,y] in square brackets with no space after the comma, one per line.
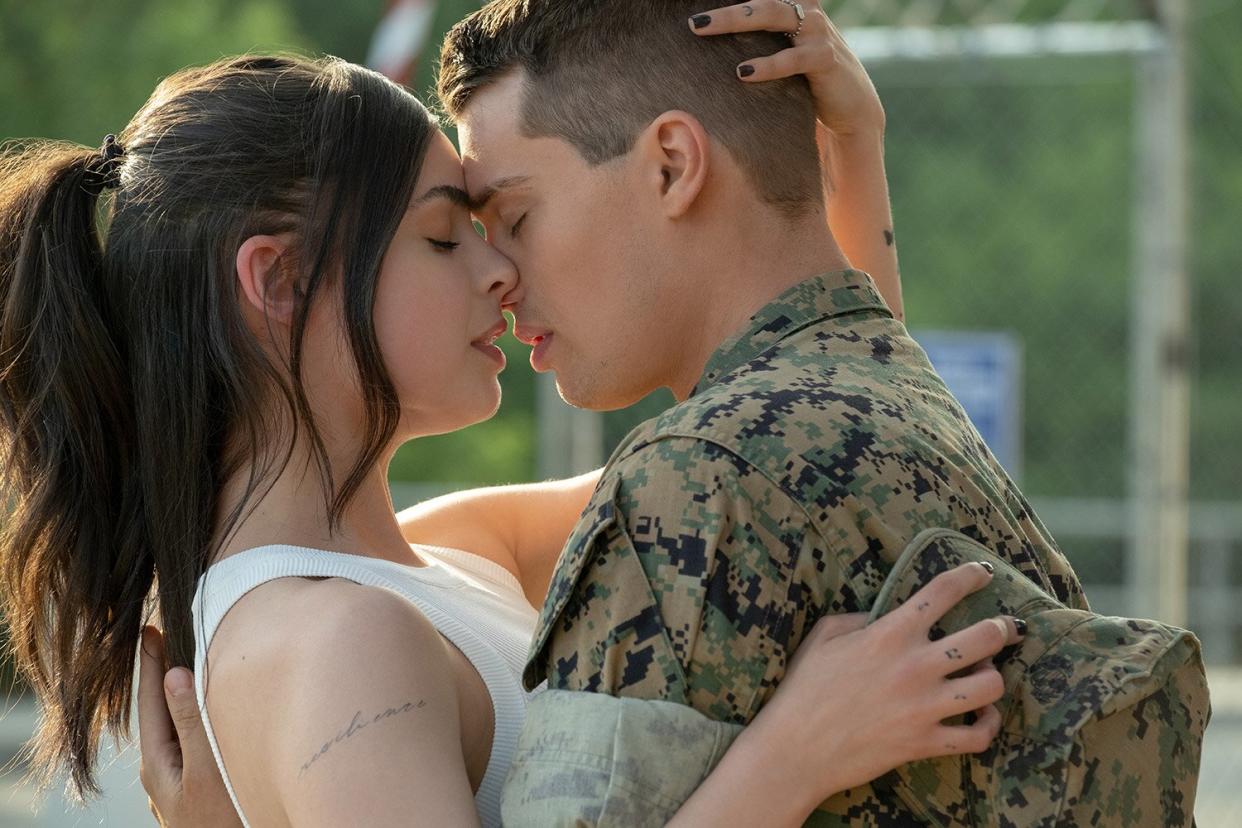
[745,70]
[986,566]
[701,20]
[1020,625]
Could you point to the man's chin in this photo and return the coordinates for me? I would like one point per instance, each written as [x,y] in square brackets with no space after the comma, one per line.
[591,395]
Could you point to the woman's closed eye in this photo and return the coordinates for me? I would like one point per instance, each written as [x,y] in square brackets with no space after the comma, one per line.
[444,246]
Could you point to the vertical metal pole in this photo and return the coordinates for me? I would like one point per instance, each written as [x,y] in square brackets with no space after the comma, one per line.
[1160,340]
[571,440]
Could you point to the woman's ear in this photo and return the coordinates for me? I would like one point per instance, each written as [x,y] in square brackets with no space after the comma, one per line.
[679,154]
[267,279]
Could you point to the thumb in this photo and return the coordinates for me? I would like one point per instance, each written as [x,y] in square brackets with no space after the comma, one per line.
[183,706]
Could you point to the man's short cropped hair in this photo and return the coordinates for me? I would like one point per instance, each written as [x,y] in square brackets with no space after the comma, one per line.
[599,71]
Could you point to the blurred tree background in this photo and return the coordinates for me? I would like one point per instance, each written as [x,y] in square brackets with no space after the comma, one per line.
[1011,183]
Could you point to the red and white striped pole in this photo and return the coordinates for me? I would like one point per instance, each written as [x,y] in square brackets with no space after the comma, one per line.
[400,38]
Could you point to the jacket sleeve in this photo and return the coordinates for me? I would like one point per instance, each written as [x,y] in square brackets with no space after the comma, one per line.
[588,759]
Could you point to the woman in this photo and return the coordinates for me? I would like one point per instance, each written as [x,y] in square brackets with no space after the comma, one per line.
[289,288]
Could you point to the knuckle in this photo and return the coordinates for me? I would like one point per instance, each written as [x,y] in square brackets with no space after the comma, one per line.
[825,54]
[995,634]
[912,671]
[993,686]
[948,584]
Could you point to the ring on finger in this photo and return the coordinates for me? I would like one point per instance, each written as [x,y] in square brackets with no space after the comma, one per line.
[798,10]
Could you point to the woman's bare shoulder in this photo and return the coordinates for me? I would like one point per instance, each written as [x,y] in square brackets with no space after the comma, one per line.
[315,678]
[285,629]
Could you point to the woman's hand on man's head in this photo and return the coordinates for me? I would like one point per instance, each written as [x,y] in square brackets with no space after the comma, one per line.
[846,102]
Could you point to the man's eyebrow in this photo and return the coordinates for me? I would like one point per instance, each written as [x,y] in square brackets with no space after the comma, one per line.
[456,195]
[489,192]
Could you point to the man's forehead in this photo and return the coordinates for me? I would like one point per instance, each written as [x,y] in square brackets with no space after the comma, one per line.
[488,131]
[494,110]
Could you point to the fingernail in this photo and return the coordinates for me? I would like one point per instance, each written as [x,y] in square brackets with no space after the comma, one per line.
[701,20]
[745,70]
[1020,626]
[986,566]
[177,682]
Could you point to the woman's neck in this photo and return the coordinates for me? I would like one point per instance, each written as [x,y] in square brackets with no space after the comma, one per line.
[294,512]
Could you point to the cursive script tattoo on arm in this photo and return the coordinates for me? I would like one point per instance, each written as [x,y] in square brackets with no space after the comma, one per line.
[356,725]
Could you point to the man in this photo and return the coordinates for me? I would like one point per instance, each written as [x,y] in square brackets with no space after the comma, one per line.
[670,231]
[667,237]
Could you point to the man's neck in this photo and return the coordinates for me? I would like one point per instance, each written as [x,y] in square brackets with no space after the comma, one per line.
[744,278]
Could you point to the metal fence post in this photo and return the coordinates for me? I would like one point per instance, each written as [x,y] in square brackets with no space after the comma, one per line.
[1160,333]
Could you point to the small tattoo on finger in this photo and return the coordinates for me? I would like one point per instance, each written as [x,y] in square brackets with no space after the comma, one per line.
[888,237]
[953,654]
[924,605]
[959,697]
[749,11]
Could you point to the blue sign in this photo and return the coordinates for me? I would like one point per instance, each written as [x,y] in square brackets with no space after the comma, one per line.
[984,371]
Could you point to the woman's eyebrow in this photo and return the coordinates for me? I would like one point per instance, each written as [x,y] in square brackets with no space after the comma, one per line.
[456,195]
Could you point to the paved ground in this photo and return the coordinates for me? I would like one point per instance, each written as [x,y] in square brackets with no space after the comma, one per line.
[124,805]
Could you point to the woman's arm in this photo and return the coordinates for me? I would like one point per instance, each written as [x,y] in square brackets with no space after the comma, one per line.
[850,130]
[336,704]
[521,527]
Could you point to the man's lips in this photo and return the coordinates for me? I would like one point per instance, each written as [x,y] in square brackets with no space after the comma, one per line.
[530,336]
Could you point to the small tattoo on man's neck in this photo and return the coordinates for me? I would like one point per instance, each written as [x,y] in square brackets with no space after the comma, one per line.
[357,724]
[888,237]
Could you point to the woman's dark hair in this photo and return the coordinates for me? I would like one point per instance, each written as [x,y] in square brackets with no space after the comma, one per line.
[131,389]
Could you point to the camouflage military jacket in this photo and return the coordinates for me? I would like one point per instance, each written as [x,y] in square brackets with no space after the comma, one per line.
[818,442]
[1103,724]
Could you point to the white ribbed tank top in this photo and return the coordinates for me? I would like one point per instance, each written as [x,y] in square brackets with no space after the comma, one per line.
[474,603]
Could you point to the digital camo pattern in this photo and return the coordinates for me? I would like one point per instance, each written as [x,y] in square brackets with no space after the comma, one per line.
[817,445]
[1103,722]
[1103,717]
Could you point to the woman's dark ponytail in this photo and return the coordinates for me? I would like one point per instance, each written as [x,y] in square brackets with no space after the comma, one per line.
[72,535]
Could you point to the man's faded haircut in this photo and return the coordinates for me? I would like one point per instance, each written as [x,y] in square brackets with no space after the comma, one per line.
[599,71]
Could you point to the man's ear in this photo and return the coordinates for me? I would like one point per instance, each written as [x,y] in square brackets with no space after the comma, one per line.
[267,278]
[679,155]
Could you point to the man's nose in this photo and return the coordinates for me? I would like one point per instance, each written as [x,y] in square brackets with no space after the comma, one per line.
[507,284]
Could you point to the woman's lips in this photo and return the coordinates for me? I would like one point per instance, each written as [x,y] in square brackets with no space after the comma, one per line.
[487,343]
[492,352]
